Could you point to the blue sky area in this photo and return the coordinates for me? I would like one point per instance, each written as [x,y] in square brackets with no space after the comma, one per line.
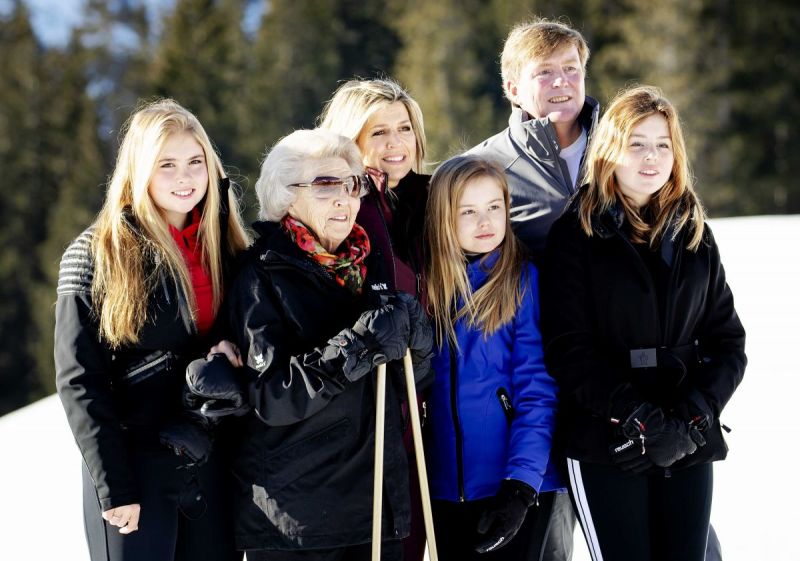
[53,20]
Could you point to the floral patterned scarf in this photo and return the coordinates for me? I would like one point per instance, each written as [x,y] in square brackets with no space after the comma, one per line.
[347,266]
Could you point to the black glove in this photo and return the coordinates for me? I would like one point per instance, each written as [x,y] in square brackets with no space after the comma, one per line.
[385,332]
[501,522]
[695,410]
[345,355]
[629,456]
[188,439]
[421,337]
[214,388]
[421,334]
[664,439]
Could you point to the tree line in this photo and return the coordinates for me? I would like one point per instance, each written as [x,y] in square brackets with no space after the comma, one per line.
[730,67]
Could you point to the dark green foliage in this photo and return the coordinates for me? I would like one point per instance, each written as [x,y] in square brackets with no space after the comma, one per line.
[23,191]
[75,170]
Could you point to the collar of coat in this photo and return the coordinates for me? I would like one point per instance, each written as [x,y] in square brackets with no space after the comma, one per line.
[479,269]
[538,136]
[610,223]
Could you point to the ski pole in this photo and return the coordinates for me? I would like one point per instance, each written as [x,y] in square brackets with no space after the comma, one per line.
[377,488]
[419,452]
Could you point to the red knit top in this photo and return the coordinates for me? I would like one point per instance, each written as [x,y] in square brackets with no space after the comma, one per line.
[201,281]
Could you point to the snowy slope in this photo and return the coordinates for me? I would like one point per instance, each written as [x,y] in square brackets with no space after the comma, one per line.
[755,489]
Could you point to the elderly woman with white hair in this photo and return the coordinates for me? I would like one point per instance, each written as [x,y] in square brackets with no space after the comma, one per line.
[312,320]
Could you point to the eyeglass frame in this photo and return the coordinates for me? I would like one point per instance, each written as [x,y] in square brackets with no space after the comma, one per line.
[329,181]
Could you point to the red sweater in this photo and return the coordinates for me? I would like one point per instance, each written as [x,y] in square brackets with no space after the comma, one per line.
[201,281]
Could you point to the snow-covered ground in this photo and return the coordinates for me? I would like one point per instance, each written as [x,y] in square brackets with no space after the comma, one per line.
[755,491]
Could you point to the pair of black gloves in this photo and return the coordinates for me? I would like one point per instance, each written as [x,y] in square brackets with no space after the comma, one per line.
[214,388]
[379,336]
[651,437]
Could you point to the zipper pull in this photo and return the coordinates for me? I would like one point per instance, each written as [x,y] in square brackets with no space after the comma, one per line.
[424,413]
[505,403]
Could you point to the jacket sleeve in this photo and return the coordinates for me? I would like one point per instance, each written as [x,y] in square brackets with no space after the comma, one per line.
[722,340]
[284,388]
[535,393]
[571,346]
[83,381]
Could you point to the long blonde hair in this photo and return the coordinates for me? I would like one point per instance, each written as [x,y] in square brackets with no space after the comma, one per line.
[355,101]
[675,203]
[493,304]
[129,231]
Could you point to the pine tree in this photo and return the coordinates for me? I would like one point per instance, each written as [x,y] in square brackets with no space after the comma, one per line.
[20,157]
[115,36]
[200,62]
[74,169]
[443,64]
[762,135]
[673,45]
[295,68]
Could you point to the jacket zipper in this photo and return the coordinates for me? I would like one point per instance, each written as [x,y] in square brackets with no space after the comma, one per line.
[505,403]
[457,425]
[650,283]
[166,357]
[676,261]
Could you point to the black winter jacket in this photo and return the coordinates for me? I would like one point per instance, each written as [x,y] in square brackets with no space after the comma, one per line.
[114,399]
[600,302]
[303,459]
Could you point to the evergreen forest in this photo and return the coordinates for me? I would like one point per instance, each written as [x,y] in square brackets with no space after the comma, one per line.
[731,67]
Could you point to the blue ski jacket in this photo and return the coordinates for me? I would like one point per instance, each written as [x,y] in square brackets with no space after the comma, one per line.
[493,404]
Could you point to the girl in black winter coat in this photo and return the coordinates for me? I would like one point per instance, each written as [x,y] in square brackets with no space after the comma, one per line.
[137,295]
[642,336]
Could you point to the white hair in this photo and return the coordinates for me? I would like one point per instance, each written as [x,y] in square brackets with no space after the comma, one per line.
[292,160]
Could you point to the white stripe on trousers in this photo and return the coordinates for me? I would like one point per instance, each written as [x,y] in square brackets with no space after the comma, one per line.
[583,511]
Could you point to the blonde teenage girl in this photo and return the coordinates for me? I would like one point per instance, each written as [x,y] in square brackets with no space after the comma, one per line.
[137,295]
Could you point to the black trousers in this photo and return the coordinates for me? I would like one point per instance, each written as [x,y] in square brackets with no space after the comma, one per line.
[627,517]
[391,550]
[455,525]
[184,513]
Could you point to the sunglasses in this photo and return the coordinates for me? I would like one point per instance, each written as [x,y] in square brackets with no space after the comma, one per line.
[355,186]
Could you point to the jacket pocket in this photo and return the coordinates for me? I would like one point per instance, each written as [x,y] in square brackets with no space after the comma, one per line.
[293,461]
[147,366]
[505,404]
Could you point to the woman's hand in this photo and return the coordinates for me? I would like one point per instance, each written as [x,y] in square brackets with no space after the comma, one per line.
[230,350]
[126,517]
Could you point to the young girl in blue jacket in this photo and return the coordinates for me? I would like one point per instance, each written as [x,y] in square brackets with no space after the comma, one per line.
[492,407]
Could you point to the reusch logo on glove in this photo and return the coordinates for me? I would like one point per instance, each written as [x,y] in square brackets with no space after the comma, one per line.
[622,447]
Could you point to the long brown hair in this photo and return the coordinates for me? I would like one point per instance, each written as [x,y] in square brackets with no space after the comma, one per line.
[130,231]
[675,203]
[493,304]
